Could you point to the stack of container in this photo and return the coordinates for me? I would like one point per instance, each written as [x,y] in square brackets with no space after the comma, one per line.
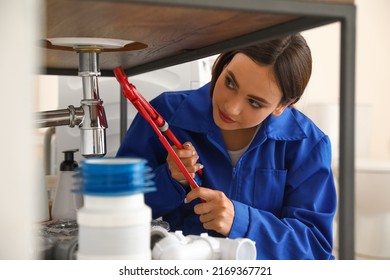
[114,222]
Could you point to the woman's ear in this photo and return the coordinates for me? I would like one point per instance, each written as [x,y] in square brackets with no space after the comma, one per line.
[280,109]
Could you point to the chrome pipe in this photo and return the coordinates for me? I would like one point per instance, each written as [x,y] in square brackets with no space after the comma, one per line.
[89,71]
[90,117]
[53,118]
[71,116]
[93,127]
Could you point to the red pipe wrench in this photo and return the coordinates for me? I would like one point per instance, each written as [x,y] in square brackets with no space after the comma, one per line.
[156,121]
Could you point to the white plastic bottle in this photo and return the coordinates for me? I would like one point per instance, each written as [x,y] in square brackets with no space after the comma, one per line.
[114,228]
[114,222]
[66,202]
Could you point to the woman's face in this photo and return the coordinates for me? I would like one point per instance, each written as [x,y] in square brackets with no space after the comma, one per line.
[245,94]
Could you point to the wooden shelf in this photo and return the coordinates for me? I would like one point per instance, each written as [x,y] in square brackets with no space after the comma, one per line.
[173,33]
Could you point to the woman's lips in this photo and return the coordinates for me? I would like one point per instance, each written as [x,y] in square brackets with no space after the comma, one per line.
[225,118]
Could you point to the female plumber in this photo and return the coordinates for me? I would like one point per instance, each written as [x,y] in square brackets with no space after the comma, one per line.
[266,167]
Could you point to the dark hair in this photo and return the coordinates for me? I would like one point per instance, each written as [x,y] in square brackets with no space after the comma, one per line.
[290,57]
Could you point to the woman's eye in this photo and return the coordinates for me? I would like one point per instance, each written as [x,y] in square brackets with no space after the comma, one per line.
[229,82]
[254,103]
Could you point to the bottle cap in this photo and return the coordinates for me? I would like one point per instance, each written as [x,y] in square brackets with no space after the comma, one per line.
[69,164]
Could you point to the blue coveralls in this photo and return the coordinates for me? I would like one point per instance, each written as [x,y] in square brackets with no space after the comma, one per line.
[282,187]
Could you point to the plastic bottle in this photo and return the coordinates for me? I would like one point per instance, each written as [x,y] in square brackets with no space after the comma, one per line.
[66,202]
[114,222]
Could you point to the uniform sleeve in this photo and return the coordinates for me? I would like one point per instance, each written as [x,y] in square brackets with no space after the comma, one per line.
[305,225]
[141,141]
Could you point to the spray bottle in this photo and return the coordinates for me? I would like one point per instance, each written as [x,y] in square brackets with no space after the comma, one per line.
[66,202]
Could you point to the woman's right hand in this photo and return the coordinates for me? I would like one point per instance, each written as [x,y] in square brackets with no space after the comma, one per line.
[189,158]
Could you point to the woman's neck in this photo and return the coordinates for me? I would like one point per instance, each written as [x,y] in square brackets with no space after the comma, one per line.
[238,139]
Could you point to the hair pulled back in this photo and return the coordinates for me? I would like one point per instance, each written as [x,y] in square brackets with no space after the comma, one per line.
[290,57]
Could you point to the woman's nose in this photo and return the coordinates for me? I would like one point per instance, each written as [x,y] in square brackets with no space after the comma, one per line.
[233,106]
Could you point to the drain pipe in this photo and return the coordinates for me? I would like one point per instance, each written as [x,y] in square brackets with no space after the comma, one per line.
[175,246]
[90,116]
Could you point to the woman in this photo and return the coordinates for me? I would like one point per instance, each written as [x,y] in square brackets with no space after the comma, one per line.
[266,168]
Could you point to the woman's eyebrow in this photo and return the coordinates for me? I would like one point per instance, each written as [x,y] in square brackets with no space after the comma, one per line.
[260,99]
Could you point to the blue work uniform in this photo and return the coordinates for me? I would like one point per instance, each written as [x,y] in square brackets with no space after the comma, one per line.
[282,187]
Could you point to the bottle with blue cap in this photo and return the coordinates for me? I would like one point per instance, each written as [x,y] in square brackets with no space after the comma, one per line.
[114,222]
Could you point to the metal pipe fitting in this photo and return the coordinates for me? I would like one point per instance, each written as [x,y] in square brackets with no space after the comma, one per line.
[71,116]
[93,127]
[90,117]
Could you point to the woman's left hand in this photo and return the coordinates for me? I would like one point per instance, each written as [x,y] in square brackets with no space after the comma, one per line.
[216,213]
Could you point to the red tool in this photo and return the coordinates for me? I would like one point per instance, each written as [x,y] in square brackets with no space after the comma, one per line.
[157,122]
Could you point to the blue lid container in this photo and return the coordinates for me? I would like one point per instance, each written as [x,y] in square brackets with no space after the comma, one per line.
[112,176]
